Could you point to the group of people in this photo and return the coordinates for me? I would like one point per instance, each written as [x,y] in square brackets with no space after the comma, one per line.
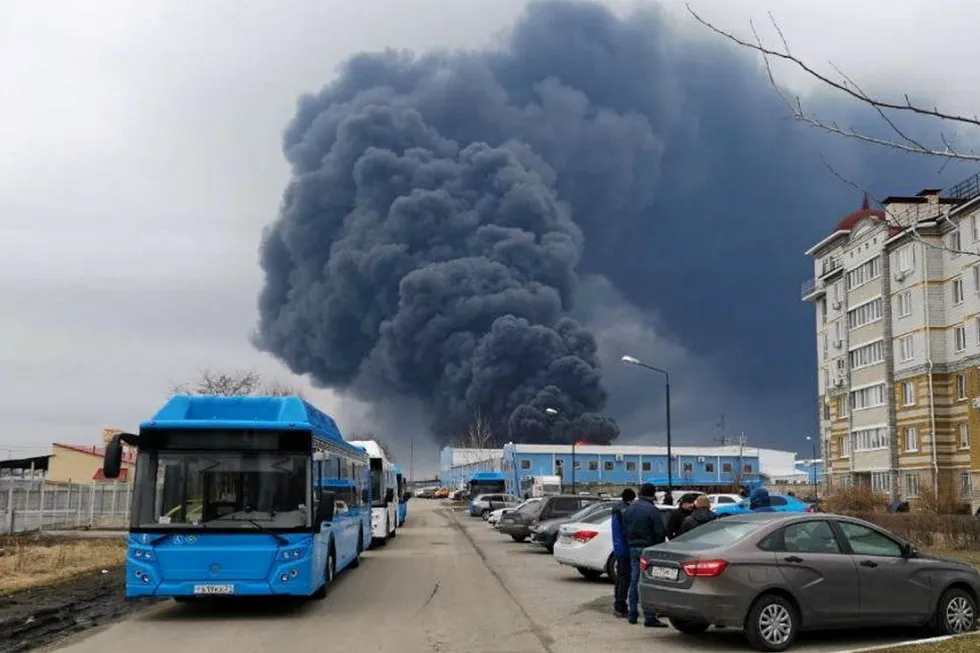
[637,523]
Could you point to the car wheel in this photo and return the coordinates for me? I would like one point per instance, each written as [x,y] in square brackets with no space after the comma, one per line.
[518,538]
[689,626]
[956,613]
[485,513]
[589,574]
[772,624]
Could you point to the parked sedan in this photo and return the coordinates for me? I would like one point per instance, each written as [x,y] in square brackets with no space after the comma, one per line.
[779,502]
[545,533]
[494,517]
[775,574]
[587,544]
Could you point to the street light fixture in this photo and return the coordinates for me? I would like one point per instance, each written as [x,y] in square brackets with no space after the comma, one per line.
[553,412]
[630,360]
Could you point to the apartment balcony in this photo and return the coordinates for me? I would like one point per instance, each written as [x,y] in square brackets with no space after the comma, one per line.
[832,266]
[813,289]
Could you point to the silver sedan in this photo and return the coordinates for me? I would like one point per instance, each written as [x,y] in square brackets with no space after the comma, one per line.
[775,574]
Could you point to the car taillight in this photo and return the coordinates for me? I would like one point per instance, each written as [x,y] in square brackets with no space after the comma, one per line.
[704,568]
[644,563]
[584,536]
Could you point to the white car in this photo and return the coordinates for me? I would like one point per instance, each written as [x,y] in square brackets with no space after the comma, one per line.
[494,517]
[723,499]
[587,545]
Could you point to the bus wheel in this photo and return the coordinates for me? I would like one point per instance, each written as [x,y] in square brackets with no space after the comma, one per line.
[328,573]
[356,562]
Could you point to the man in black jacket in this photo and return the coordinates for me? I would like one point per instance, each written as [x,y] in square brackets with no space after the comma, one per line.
[644,528]
[701,514]
[677,516]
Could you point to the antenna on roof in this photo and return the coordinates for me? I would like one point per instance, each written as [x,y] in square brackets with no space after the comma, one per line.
[865,203]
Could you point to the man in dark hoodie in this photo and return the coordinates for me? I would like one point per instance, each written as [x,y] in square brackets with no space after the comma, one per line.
[621,554]
[700,515]
[677,516]
[759,500]
[644,528]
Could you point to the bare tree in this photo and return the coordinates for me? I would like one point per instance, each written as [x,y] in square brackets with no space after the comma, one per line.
[839,81]
[236,383]
[479,434]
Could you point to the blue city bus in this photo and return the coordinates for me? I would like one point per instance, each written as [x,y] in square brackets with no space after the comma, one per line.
[487,483]
[242,496]
[403,495]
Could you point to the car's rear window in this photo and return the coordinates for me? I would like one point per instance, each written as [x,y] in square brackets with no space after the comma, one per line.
[719,532]
[599,516]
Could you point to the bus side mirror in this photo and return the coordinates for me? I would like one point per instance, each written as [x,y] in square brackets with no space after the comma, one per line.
[325,509]
[112,461]
[389,495]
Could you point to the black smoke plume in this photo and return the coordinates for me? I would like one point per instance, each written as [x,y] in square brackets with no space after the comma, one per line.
[441,206]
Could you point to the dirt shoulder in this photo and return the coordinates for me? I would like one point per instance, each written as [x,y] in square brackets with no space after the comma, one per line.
[961,644]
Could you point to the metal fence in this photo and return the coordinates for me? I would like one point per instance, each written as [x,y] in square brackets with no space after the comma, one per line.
[37,505]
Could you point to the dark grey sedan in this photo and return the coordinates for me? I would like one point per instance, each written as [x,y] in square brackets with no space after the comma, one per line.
[775,574]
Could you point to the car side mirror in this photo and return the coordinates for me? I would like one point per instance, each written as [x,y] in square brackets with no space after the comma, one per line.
[909,551]
[389,495]
[326,507]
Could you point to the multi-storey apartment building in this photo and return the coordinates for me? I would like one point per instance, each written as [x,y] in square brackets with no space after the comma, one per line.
[897,297]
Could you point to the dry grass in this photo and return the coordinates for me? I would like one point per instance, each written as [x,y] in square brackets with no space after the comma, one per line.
[962,644]
[27,562]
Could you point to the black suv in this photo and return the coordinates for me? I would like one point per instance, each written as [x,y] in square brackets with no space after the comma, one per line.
[517,523]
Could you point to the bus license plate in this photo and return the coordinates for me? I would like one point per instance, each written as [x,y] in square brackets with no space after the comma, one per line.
[666,573]
[214,589]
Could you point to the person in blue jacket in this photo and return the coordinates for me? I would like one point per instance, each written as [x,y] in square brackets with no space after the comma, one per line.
[621,553]
[644,528]
[759,500]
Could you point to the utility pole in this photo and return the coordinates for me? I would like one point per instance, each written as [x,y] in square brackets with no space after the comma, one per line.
[411,459]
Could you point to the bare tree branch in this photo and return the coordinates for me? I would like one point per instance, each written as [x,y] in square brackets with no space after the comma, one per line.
[847,86]
[370,435]
[237,383]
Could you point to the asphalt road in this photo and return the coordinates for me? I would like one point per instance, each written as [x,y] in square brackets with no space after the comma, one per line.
[445,585]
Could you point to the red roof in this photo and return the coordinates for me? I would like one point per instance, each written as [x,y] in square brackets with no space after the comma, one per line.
[99,452]
[100,475]
[848,221]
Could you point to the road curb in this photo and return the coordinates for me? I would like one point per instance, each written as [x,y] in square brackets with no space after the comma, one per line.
[911,642]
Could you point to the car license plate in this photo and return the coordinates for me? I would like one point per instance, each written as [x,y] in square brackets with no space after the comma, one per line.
[214,589]
[665,573]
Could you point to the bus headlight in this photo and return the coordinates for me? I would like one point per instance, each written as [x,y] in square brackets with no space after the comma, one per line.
[143,554]
[292,554]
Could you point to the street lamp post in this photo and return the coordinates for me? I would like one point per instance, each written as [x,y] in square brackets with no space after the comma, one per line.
[813,465]
[629,360]
[554,414]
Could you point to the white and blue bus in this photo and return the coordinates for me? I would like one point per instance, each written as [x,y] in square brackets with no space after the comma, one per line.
[242,496]
[384,488]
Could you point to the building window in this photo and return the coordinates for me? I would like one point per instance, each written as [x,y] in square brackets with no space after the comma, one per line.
[747,469]
[865,355]
[864,273]
[906,258]
[607,465]
[593,465]
[976,279]
[525,464]
[961,386]
[904,303]
[577,465]
[958,290]
[845,447]
[964,439]
[630,466]
[966,485]
[868,397]
[871,439]
[908,393]
[912,485]
[974,228]
[646,466]
[976,321]
[955,242]
[709,467]
[559,468]
[906,347]
[881,482]
[959,338]
[841,407]
[911,437]
[864,314]
[726,467]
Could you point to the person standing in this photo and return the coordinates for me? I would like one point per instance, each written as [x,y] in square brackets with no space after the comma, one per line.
[644,528]
[677,516]
[621,553]
[701,514]
[759,500]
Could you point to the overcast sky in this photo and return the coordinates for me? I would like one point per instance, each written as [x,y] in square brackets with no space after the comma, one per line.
[140,157]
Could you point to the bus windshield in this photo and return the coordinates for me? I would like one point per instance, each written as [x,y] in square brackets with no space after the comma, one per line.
[487,487]
[377,483]
[222,489]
